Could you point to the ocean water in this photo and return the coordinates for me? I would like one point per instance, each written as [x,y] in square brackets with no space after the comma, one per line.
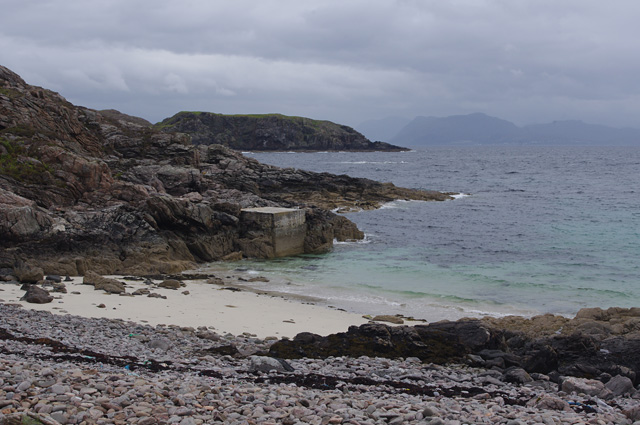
[541,229]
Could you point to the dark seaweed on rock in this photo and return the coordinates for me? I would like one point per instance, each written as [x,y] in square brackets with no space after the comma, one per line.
[534,345]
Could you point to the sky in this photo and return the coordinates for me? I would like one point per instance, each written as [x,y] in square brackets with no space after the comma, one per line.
[348,61]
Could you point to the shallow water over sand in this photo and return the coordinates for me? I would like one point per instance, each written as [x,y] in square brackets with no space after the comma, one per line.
[545,229]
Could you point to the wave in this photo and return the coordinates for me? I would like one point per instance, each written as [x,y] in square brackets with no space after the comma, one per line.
[460,195]
[372,162]
[366,240]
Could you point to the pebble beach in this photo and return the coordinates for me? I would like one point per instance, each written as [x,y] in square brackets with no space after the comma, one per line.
[60,367]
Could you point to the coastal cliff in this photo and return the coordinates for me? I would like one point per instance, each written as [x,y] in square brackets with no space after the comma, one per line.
[84,190]
[270,132]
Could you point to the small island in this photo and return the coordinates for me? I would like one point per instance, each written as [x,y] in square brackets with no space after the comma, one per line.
[270,132]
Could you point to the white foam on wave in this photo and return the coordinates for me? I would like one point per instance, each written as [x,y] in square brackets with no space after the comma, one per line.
[353,241]
[398,203]
[460,195]
[373,162]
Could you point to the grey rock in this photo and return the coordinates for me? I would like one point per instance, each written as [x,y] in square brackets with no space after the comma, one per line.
[620,385]
[266,364]
[23,386]
[60,417]
[160,343]
[517,375]
[428,412]
[586,386]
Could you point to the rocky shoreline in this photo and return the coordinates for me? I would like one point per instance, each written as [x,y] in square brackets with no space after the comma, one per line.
[82,189]
[73,370]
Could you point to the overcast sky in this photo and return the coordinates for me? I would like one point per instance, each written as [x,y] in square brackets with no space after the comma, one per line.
[528,61]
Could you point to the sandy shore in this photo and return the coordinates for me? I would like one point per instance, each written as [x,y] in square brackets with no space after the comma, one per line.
[196,304]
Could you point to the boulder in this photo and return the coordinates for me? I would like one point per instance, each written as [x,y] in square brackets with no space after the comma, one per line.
[439,342]
[549,402]
[267,364]
[170,284]
[590,387]
[516,375]
[26,274]
[106,284]
[620,385]
[37,295]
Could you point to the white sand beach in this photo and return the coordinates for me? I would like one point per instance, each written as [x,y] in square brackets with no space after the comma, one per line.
[205,304]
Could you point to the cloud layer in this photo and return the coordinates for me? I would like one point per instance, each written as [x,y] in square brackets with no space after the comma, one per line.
[523,60]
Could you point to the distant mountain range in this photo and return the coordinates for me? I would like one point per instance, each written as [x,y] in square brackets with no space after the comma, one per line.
[481,129]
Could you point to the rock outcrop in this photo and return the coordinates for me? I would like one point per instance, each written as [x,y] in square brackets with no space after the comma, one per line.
[87,190]
[518,346]
[270,132]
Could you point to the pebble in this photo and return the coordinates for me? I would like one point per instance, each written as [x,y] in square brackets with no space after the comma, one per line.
[167,374]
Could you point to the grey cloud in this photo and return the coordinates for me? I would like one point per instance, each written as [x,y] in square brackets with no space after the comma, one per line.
[524,60]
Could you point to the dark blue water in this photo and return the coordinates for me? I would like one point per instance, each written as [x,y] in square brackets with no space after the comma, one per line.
[545,229]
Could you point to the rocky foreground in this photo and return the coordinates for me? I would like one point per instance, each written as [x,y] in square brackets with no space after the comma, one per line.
[73,370]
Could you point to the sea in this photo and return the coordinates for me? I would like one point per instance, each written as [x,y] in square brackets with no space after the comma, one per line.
[534,229]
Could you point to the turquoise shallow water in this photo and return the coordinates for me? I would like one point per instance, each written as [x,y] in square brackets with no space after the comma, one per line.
[544,229]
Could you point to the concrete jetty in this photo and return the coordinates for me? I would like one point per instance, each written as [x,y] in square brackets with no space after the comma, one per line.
[281,229]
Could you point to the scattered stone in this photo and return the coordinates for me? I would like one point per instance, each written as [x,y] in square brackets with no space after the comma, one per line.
[54,278]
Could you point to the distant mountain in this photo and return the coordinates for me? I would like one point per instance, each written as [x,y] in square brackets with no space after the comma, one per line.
[383,129]
[269,132]
[456,129]
[481,129]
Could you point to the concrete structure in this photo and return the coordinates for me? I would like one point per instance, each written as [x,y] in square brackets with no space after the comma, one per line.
[281,229]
